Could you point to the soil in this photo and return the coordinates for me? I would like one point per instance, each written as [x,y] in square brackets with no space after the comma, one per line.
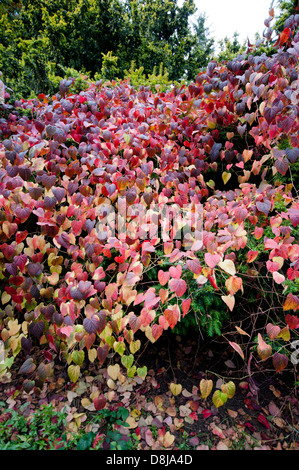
[263,413]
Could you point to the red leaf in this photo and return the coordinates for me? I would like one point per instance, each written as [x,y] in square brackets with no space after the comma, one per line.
[185,306]
[292,321]
[263,420]
[102,353]
[206,413]
[157,331]
[213,281]
[284,36]
[252,255]
[175,271]
[100,402]
[20,236]
[280,361]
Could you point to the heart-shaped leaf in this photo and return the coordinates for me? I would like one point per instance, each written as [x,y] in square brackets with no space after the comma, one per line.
[178,286]
[127,361]
[272,330]
[175,389]
[280,361]
[142,372]
[27,367]
[92,324]
[102,353]
[100,402]
[113,371]
[219,398]
[264,350]
[229,389]
[205,386]
[73,372]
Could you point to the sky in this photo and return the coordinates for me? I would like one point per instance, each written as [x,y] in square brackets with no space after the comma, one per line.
[224,17]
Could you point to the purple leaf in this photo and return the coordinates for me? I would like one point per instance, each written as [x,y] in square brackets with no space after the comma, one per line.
[35,269]
[59,193]
[91,325]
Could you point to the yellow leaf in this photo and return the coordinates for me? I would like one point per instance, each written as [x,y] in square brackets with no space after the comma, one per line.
[247,154]
[226,176]
[135,346]
[14,327]
[229,388]
[111,384]
[229,300]
[73,373]
[279,260]
[242,332]
[5,297]
[285,333]
[219,398]
[228,266]
[166,440]
[205,387]
[53,279]
[131,422]
[175,389]
[87,404]
[113,371]
[92,354]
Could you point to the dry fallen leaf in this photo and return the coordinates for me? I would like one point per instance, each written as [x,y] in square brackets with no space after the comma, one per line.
[171,411]
[232,413]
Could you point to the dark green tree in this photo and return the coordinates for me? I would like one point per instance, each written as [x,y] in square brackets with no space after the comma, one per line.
[229,48]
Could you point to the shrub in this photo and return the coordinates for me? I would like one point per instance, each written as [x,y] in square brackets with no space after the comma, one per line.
[80,283]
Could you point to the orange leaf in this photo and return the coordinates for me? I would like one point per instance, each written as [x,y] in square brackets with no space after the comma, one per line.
[291,302]
[284,36]
[251,256]
[264,350]
[172,315]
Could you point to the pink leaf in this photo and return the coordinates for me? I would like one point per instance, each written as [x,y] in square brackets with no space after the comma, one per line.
[212,260]
[178,286]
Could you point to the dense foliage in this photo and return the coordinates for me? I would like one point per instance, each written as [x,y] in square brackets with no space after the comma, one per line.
[223,152]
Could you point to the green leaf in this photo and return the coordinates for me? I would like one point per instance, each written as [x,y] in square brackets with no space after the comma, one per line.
[78,357]
[127,361]
[85,441]
[141,372]
[219,398]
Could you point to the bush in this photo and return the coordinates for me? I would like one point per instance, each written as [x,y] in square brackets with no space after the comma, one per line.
[83,285]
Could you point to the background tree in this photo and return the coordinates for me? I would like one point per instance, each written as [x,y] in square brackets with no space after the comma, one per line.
[41,39]
[230,48]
